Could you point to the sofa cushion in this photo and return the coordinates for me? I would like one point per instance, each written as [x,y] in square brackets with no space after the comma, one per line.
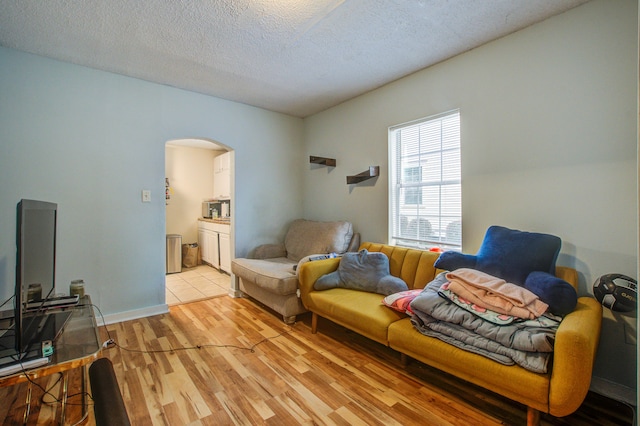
[306,237]
[508,254]
[347,308]
[555,292]
[363,271]
[276,275]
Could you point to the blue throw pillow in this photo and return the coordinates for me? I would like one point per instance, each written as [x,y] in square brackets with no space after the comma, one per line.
[558,294]
[452,260]
[508,254]
[512,255]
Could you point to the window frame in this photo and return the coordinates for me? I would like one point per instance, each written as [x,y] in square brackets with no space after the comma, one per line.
[438,181]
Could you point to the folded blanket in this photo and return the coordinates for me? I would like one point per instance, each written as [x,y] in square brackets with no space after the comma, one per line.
[484,313]
[495,293]
[527,343]
[538,362]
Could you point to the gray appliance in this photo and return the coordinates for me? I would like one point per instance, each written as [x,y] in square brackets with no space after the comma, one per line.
[174,253]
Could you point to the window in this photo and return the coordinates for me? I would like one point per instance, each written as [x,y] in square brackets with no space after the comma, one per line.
[424,190]
[413,195]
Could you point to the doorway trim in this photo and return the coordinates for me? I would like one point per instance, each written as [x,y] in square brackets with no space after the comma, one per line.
[208,143]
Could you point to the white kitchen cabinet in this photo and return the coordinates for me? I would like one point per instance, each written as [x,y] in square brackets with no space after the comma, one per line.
[222,162]
[225,252]
[208,242]
[204,247]
[215,244]
[211,239]
[222,176]
[222,185]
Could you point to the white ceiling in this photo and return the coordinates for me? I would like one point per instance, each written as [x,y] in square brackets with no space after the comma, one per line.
[293,56]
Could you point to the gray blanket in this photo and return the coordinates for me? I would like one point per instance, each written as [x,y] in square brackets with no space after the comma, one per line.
[528,343]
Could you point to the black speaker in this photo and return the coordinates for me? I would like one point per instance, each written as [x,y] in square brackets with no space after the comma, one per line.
[108,406]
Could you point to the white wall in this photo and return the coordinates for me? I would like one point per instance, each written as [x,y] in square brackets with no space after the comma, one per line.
[190,172]
[548,121]
[91,141]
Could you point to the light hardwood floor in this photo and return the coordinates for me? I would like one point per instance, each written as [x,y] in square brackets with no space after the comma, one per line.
[227,361]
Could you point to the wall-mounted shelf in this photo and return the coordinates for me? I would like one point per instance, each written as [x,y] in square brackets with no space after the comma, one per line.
[367,174]
[331,162]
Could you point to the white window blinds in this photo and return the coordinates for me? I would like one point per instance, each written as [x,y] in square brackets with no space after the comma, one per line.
[425,193]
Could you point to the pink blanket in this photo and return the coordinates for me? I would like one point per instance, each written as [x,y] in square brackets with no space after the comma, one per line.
[495,293]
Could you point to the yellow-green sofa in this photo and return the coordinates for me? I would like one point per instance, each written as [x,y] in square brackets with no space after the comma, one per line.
[558,392]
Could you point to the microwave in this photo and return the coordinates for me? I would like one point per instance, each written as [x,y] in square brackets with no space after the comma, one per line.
[210,209]
[215,209]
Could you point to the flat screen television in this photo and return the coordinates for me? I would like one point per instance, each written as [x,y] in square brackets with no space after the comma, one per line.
[35,263]
[35,282]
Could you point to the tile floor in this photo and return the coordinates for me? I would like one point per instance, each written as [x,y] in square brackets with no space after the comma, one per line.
[192,284]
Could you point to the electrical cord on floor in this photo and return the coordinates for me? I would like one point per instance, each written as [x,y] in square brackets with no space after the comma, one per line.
[48,391]
[45,391]
[104,325]
[110,342]
[55,400]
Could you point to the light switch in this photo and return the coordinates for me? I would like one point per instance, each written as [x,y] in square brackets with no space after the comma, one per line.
[146,196]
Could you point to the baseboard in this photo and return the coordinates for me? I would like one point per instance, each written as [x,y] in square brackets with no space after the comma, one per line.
[236,293]
[613,390]
[134,314]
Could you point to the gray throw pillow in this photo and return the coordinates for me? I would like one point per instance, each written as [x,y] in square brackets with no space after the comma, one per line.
[363,271]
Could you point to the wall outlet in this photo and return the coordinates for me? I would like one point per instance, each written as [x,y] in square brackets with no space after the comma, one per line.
[146,196]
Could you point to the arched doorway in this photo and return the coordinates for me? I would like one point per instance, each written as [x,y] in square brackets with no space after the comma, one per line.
[191,173]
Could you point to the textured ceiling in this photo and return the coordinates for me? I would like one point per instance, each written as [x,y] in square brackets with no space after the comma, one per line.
[293,56]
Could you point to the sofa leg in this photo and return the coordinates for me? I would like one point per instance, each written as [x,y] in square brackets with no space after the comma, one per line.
[533,417]
[314,323]
[289,320]
[404,360]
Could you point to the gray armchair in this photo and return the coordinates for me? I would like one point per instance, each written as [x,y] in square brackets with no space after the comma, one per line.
[269,276]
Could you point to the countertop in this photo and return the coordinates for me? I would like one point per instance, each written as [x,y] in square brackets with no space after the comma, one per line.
[217,220]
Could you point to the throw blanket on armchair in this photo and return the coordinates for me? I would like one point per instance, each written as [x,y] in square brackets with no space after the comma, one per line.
[527,343]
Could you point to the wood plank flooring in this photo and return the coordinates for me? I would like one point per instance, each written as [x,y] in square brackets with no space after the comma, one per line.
[227,361]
